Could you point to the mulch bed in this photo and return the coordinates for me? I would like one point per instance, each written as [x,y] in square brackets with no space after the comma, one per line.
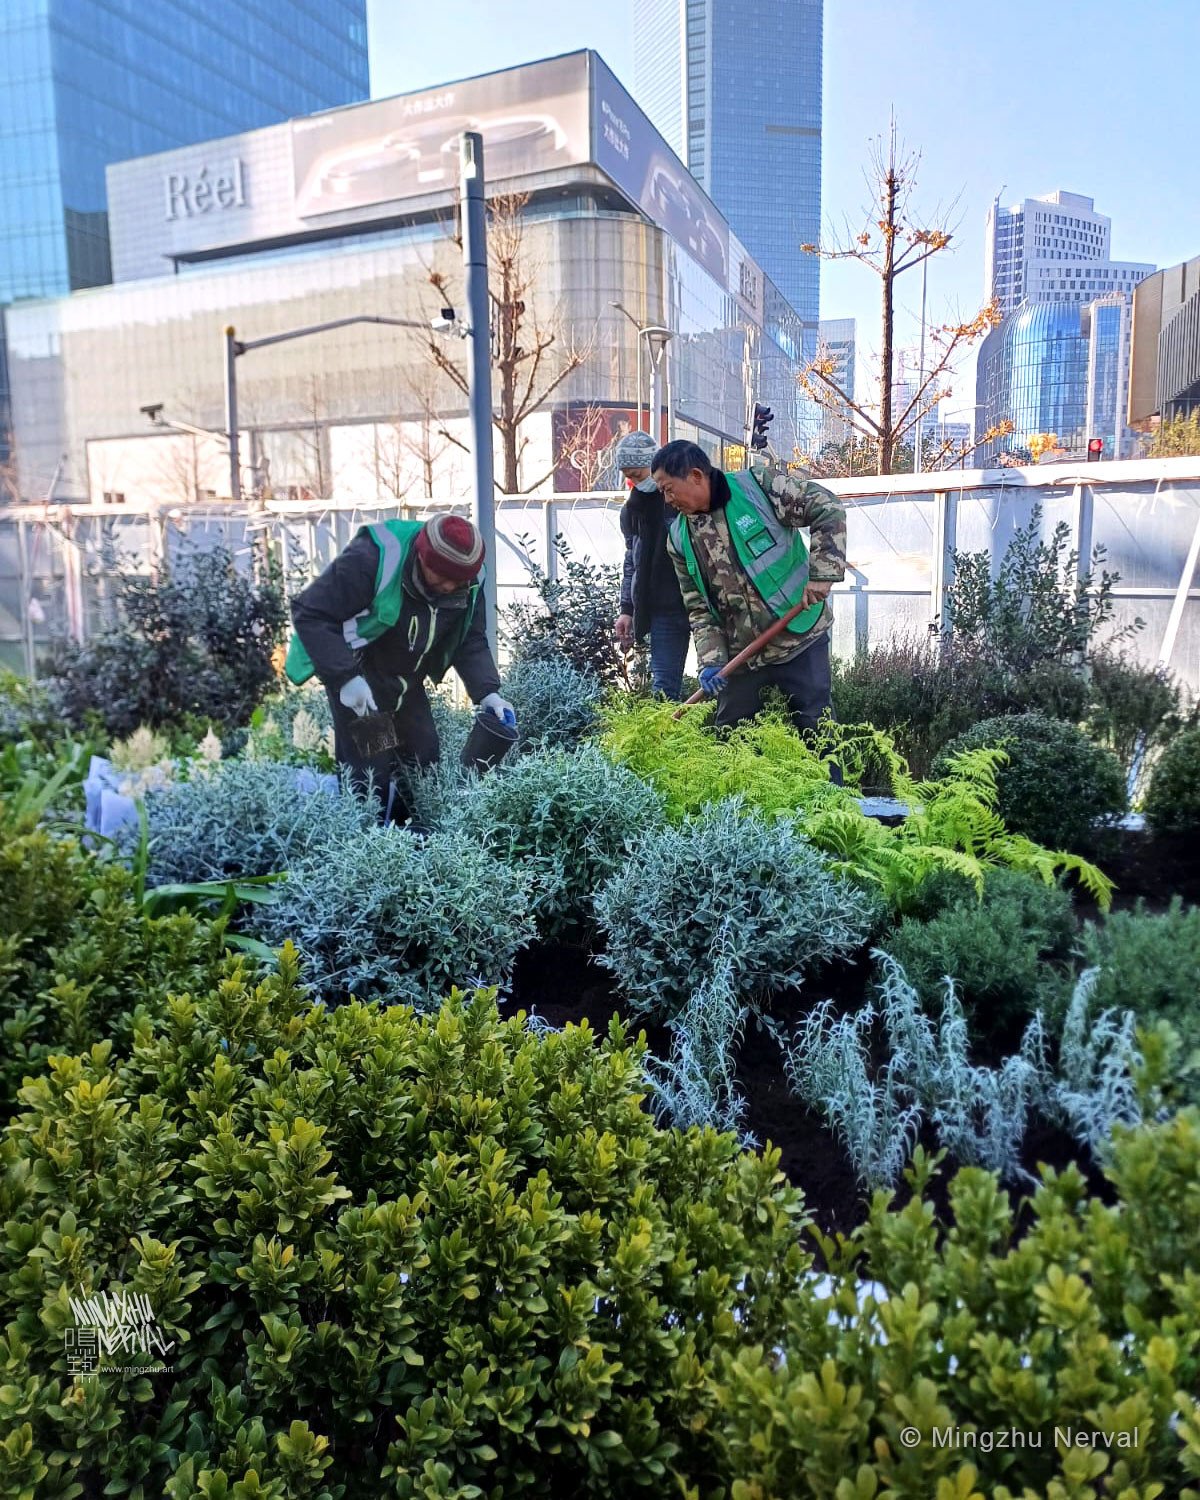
[564,984]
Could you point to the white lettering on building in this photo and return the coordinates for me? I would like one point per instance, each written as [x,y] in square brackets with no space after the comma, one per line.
[190,195]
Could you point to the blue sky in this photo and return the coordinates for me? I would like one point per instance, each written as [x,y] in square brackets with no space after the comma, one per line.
[1099,102]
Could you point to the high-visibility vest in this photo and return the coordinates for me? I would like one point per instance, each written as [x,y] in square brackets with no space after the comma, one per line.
[772,555]
[394,540]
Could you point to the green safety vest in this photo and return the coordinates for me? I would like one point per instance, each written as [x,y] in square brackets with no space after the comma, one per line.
[772,555]
[394,540]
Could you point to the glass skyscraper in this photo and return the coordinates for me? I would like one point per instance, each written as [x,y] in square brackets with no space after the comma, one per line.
[735,87]
[84,83]
[1056,367]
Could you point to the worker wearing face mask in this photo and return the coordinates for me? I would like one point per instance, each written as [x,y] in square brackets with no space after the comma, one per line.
[651,604]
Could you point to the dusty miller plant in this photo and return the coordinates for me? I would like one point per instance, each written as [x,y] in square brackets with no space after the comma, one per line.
[384,914]
[1098,1061]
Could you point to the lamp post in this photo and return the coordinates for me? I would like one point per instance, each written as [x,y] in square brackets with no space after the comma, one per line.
[638,356]
[656,342]
[479,359]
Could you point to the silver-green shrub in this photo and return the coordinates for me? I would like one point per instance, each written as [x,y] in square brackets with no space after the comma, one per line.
[728,882]
[566,817]
[556,702]
[980,1115]
[391,915]
[241,818]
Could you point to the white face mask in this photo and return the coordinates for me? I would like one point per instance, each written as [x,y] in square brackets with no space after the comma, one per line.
[647,486]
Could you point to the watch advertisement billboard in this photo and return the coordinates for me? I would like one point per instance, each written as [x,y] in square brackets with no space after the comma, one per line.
[532,119]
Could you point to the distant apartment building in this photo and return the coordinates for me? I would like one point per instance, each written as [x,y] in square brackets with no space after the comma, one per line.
[1053,249]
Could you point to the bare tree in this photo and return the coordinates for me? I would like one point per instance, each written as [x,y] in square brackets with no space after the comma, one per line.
[578,444]
[532,355]
[10,483]
[890,244]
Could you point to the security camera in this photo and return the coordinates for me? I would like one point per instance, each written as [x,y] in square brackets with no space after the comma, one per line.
[153,411]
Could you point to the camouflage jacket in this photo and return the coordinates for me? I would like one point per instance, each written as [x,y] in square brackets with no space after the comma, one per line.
[741,612]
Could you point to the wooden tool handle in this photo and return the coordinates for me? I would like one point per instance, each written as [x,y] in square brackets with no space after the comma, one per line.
[747,652]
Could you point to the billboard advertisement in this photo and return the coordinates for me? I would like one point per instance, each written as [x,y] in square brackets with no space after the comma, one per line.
[532,119]
[585,438]
[634,155]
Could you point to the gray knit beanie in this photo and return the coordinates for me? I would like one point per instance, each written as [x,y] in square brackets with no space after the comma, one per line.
[635,450]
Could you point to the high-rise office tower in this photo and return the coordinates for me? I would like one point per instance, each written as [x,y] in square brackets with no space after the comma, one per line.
[1059,360]
[87,82]
[735,87]
[1053,249]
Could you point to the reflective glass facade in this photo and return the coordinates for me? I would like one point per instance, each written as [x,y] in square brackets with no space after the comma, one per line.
[1055,367]
[84,83]
[739,82]
[354,390]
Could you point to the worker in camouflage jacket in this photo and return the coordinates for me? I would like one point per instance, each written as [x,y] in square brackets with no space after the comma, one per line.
[742,564]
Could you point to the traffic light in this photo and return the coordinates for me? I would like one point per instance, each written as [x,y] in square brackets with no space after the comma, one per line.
[763,417]
[1095,448]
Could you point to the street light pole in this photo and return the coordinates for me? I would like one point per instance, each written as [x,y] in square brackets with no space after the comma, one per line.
[231,415]
[917,465]
[479,359]
[637,347]
[656,343]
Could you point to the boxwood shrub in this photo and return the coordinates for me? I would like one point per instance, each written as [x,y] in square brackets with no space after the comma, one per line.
[1056,782]
[397,1254]
[1173,801]
[439,1255]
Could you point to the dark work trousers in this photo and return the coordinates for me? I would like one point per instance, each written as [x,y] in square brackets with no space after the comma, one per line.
[805,680]
[670,637]
[418,747]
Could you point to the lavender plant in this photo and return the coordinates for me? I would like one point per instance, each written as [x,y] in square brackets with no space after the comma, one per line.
[242,818]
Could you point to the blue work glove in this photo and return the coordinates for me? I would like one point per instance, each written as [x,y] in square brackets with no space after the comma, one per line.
[504,711]
[710,681]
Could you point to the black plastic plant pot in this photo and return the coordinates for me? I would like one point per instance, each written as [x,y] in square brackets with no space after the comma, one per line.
[488,743]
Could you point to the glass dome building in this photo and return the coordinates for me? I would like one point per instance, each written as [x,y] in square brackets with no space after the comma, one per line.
[1033,370]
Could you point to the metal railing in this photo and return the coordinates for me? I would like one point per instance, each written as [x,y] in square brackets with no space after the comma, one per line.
[58,562]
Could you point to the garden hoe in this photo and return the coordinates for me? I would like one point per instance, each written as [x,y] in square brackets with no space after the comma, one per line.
[746,653]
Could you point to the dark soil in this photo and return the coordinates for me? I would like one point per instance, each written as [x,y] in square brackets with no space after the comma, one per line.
[1147,867]
[564,984]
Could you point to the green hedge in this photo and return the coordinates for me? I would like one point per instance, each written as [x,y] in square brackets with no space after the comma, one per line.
[440,1256]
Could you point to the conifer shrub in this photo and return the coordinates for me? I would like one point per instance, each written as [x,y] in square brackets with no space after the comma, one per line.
[567,818]
[386,913]
[1054,783]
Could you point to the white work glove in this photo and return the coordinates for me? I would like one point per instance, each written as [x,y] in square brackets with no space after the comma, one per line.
[356,695]
[504,711]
